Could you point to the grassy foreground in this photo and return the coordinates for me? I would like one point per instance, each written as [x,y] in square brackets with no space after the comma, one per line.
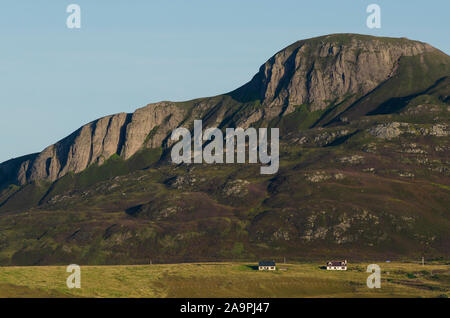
[226,280]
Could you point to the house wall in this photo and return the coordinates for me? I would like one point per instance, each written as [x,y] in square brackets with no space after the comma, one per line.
[266,268]
[337,268]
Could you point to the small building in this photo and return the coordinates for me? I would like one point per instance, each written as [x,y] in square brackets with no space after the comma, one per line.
[337,265]
[267,266]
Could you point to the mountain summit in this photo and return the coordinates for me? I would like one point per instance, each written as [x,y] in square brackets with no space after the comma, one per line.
[363,168]
[319,70]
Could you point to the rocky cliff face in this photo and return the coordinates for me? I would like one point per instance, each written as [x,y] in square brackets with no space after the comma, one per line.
[320,70]
[121,134]
[315,72]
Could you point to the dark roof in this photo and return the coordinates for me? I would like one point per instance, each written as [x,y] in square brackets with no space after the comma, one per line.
[267,263]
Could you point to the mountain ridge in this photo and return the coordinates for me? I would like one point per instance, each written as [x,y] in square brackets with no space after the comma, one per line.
[290,77]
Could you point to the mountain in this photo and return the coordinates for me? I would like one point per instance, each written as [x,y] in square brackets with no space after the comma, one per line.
[364,168]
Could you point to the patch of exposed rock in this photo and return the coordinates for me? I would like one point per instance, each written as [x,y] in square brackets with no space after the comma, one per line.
[395,129]
[236,188]
[339,229]
[183,181]
[438,130]
[422,108]
[412,148]
[320,176]
[406,174]
[353,159]
[166,212]
[330,136]
[370,148]
[319,137]
[369,170]
[387,130]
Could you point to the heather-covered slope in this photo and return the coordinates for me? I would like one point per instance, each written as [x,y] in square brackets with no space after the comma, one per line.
[364,169]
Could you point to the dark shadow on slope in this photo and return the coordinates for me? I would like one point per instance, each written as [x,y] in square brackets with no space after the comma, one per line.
[123,133]
[26,197]
[252,267]
[394,105]
[340,140]
[10,168]
[134,211]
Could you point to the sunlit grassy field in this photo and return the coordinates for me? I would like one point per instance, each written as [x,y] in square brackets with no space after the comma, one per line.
[226,280]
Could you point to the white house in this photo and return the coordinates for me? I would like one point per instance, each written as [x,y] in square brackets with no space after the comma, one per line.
[337,265]
[267,266]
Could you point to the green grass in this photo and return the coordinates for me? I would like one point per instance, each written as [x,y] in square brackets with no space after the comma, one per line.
[302,118]
[225,280]
[442,186]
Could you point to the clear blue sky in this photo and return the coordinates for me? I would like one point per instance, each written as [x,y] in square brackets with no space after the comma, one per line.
[130,53]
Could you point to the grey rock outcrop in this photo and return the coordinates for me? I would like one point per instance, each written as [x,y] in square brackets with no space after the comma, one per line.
[329,68]
[121,134]
[387,130]
[395,129]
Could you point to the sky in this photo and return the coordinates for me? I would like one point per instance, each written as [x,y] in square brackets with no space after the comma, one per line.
[129,53]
